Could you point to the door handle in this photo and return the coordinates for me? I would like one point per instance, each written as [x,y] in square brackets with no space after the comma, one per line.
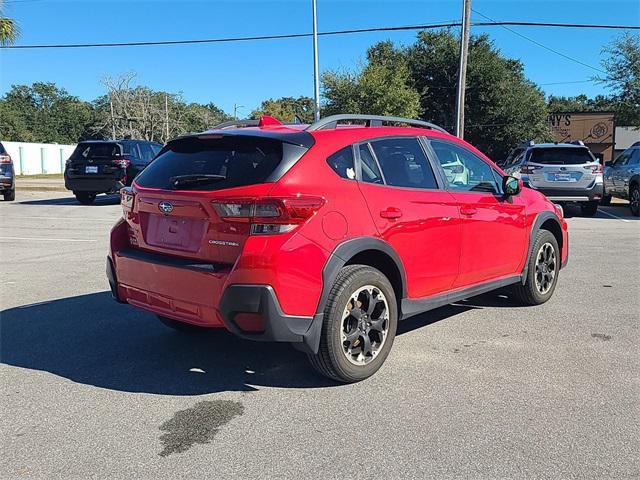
[391,213]
[468,210]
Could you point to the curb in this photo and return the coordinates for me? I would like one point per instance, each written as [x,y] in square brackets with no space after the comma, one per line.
[41,188]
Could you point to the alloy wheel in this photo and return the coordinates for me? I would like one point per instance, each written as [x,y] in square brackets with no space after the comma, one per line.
[546,267]
[365,324]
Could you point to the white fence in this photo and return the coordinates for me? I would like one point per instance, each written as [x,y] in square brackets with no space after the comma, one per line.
[37,158]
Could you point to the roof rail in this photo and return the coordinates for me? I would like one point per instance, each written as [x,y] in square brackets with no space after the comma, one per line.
[577,142]
[235,124]
[371,121]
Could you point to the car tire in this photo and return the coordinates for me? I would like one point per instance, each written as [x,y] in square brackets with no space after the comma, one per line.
[634,199]
[589,209]
[181,326]
[9,196]
[605,200]
[538,286]
[345,355]
[85,198]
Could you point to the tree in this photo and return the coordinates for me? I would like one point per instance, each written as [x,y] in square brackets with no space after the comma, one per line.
[286,109]
[502,107]
[380,88]
[9,30]
[623,77]
[44,113]
[580,103]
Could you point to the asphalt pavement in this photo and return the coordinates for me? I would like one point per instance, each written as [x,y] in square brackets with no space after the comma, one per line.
[480,389]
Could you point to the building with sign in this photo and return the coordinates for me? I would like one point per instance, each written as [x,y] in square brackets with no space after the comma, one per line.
[596,130]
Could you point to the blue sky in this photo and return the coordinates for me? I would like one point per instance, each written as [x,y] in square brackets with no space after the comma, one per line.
[246,73]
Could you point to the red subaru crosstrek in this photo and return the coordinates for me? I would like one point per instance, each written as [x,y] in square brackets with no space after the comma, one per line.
[325,236]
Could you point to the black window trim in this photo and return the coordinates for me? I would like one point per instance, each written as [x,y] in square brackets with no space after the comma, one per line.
[326,161]
[447,187]
[419,138]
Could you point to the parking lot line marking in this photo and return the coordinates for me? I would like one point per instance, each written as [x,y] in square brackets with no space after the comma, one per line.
[61,218]
[41,239]
[614,216]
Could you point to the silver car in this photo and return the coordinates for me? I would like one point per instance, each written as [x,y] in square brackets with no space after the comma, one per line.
[564,172]
[622,178]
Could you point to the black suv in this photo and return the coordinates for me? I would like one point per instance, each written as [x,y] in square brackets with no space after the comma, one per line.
[7,176]
[105,166]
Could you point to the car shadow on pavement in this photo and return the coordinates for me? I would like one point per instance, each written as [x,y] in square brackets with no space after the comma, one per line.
[91,339]
[101,200]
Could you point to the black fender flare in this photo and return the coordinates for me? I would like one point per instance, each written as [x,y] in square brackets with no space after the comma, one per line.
[338,258]
[541,218]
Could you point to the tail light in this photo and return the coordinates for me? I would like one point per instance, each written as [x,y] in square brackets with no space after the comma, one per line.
[5,158]
[529,169]
[270,215]
[121,162]
[594,168]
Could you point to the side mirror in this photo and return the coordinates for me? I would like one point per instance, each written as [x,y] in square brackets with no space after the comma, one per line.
[511,185]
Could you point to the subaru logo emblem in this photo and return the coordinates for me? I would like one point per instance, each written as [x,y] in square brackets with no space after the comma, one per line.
[165,207]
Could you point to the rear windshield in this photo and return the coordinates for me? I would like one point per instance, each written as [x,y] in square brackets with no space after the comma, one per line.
[95,150]
[212,163]
[561,156]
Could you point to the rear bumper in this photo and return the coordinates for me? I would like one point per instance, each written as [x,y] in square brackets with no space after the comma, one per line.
[197,293]
[92,184]
[591,194]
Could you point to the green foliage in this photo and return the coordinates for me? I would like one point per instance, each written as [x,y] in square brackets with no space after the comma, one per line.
[623,77]
[9,30]
[381,88]
[502,107]
[286,109]
[580,103]
[44,113]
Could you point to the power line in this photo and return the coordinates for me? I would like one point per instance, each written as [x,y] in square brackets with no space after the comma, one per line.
[575,60]
[333,33]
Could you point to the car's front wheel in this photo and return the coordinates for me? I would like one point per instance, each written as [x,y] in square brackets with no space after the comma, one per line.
[634,199]
[542,271]
[85,198]
[359,325]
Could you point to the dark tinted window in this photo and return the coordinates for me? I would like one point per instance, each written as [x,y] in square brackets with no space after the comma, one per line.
[464,170]
[635,159]
[370,171]
[403,163]
[146,152]
[156,148]
[342,163]
[560,156]
[212,163]
[96,150]
[2,150]
[131,150]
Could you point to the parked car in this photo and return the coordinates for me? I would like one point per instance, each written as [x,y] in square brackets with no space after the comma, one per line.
[564,172]
[622,178]
[99,166]
[325,236]
[7,176]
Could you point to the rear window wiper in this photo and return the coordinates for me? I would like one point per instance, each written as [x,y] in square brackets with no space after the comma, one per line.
[179,180]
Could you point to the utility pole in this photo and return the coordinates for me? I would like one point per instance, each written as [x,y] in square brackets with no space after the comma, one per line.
[166,113]
[113,119]
[316,79]
[462,71]
[236,107]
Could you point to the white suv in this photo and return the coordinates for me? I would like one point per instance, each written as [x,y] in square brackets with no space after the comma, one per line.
[564,172]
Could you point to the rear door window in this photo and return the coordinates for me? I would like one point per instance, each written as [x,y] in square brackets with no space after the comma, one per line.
[369,166]
[561,156]
[146,152]
[404,163]
[212,163]
[341,162]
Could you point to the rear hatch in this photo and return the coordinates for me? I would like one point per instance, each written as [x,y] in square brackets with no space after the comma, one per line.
[97,159]
[562,167]
[201,196]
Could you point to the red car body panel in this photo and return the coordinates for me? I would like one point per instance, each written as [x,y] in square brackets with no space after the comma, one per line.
[445,240]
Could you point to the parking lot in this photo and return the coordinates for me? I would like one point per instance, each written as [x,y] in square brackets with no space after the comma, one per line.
[479,389]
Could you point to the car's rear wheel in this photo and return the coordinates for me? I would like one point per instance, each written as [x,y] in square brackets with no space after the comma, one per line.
[9,196]
[542,271]
[634,199]
[359,325]
[589,208]
[85,198]
[181,326]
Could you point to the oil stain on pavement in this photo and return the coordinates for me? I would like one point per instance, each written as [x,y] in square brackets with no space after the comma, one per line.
[197,424]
